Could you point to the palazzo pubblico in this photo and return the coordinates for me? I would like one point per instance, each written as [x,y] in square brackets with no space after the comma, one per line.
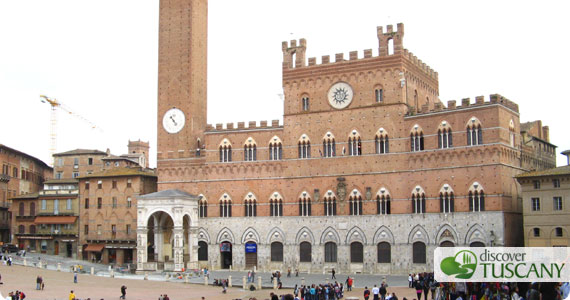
[368,172]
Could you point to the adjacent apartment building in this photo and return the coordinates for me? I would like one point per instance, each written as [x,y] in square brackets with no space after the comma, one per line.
[108,213]
[546,203]
[21,174]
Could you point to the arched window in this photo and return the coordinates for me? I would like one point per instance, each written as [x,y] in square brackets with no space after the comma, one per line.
[512,133]
[417,139]
[305,252]
[304,204]
[379,95]
[446,199]
[476,198]
[276,205]
[32,209]
[203,206]
[330,252]
[330,203]
[356,252]
[202,251]
[329,145]
[276,251]
[383,202]
[32,229]
[304,147]
[418,200]
[22,209]
[355,203]
[250,205]
[225,206]
[444,136]
[250,150]
[381,141]
[305,103]
[384,252]
[419,253]
[474,132]
[21,229]
[225,151]
[354,144]
[275,149]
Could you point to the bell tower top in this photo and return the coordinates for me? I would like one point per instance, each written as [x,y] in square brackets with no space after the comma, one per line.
[182,77]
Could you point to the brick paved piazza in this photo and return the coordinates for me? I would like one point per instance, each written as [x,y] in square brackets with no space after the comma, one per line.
[58,285]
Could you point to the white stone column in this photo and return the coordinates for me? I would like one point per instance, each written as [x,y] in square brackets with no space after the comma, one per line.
[142,236]
[178,247]
[158,243]
[193,247]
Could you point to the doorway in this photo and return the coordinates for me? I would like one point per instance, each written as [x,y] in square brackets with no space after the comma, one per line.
[69,249]
[250,255]
[55,248]
[226,254]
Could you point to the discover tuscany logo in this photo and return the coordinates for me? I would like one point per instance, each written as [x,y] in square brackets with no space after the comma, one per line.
[493,264]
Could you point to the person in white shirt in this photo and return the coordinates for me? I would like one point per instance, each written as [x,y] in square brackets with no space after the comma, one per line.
[375,292]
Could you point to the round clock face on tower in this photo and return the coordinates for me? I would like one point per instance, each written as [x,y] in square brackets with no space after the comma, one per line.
[173,120]
[340,95]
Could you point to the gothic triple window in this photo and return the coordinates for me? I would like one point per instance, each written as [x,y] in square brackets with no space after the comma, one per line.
[474,132]
[381,141]
[276,205]
[225,206]
[304,204]
[476,198]
[444,136]
[225,151]
[355,203]
[416,139]
[446,199]
[418,200]
[354,144]
[383,202]
[275,149]
[250,150]
[330,203]
[250,205]
[304,147]
[329,145]
[202,206]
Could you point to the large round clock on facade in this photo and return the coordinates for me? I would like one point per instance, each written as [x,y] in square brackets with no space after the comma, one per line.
[340,95]
[173,120]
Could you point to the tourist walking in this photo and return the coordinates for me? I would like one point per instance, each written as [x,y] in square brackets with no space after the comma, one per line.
[38,283]
[123,292]
[75,277]
[366,293]
[71,295]
[333,272]
[375,293]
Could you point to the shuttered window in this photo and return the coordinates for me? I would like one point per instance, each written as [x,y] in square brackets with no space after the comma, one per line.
[330,252]
[419,255]
[276,251]
[202,250]
[384,252]
[305,252]
[356,252]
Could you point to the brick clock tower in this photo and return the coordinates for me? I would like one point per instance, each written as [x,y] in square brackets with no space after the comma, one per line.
[182,79]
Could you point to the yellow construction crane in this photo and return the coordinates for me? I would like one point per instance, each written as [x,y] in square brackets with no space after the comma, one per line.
[55,105]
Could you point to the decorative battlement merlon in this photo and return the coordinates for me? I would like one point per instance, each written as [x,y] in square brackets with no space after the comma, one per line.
[252,125]
[466,103]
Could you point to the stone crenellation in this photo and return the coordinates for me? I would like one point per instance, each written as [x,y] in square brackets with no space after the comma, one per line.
[252,125]
[298,49]
[466,102]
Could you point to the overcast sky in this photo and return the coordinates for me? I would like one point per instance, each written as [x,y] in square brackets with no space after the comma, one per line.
[100,59]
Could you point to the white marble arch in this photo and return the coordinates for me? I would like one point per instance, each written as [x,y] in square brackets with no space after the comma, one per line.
[175,204]
[329,235]
[476,233]
[440,238]
[355,234]
[203,235]
[250,235]
[418,234]
[383,234]
[304,235]
[276,235]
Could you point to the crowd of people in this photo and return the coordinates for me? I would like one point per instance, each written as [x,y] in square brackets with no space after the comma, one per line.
[426,285]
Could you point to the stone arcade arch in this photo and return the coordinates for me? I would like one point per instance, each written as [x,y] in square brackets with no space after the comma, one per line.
[167,227]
